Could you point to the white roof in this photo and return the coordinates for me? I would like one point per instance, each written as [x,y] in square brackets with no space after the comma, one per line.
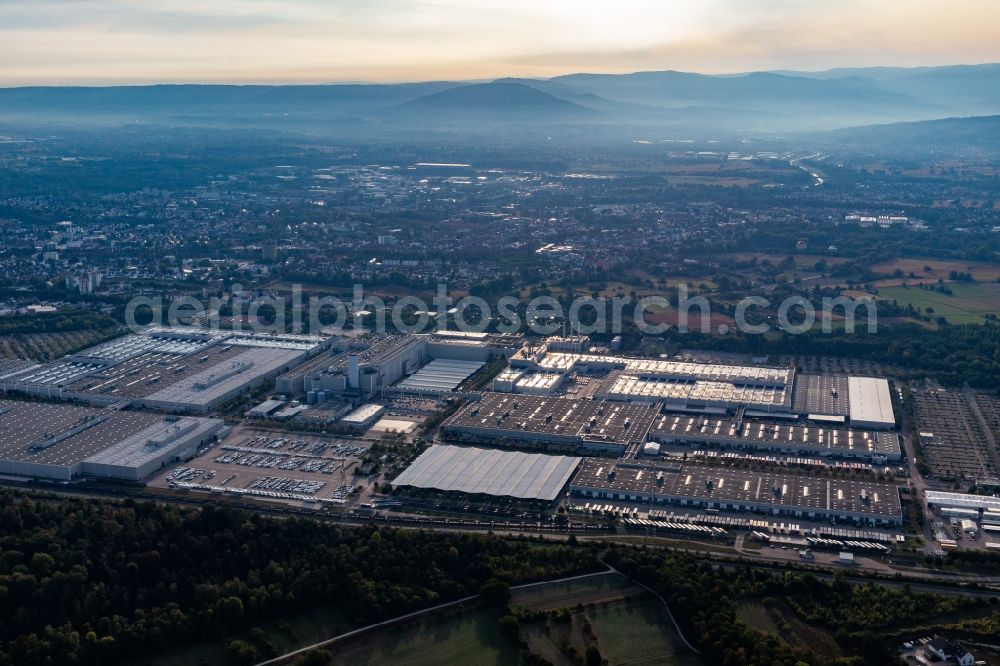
[364,412]
[490,472]
[870,401]
[961,500]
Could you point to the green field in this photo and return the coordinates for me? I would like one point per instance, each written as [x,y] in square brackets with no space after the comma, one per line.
[629,624]
[782,622]
[455,636]
[639,632]
[966,305]
[594,589]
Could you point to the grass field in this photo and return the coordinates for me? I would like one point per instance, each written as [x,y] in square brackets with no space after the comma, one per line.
[596,589]
[638,632]
[460,636]
[940,269]
[629,625]
[781,621]
[966,305]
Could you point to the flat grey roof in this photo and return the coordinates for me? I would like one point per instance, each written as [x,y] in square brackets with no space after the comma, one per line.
[203,388]
[821,394]
[490,472]
[721,484]
[509,415]
[767,434]
[24,423]
[138,449]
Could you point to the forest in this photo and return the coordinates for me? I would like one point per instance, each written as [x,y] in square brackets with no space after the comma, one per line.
[87,581]
[862,620]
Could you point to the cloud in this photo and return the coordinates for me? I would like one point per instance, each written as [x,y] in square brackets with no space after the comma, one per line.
[94,41]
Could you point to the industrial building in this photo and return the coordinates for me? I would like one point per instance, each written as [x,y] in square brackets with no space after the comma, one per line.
[63,442]
[363,417]
[787,439]
[187,370]
[434,363]
[727,489]
[983,503]
[439,376]
[870,403]
[201,391]
[168,440]
[525,420]
[704,388]
[476,471]
[680,385]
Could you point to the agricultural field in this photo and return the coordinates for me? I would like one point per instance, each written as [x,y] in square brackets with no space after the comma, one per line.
[781,621]
[626,623]
[453,636]
[48,346]
[968,303]
[939,269]
[595,589]
[638,632]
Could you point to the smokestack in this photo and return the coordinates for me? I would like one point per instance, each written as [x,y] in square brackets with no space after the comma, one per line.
[353,371]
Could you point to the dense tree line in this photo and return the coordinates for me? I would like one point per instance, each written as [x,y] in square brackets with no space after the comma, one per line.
[96,582]
[705,599]
[57,322]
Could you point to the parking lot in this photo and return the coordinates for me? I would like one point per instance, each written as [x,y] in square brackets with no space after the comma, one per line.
[951,438]
[280,466]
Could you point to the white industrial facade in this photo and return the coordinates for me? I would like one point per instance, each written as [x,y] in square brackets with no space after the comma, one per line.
[364,417]
[63,442]
[140,455]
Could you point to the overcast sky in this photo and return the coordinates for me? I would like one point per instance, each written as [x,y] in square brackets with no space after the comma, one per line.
[143,41]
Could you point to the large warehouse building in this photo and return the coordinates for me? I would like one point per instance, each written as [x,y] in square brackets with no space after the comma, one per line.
[185,370]
[728,489]
[870,403]
[707,388]
[434,363]
[788,439]
[534,421]
[64,442]
[475,471]
[680,385]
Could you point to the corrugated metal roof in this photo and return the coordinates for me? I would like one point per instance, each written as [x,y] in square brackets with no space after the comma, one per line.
[490,472]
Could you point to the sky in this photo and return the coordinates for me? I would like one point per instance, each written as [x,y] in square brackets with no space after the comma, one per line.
[96,42]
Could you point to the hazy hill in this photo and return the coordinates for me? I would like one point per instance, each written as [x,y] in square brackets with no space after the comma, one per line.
[496,101]
[771,102]
[979,134]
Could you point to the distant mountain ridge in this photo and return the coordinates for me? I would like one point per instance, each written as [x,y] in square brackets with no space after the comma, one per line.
[499,100]
[786,101]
